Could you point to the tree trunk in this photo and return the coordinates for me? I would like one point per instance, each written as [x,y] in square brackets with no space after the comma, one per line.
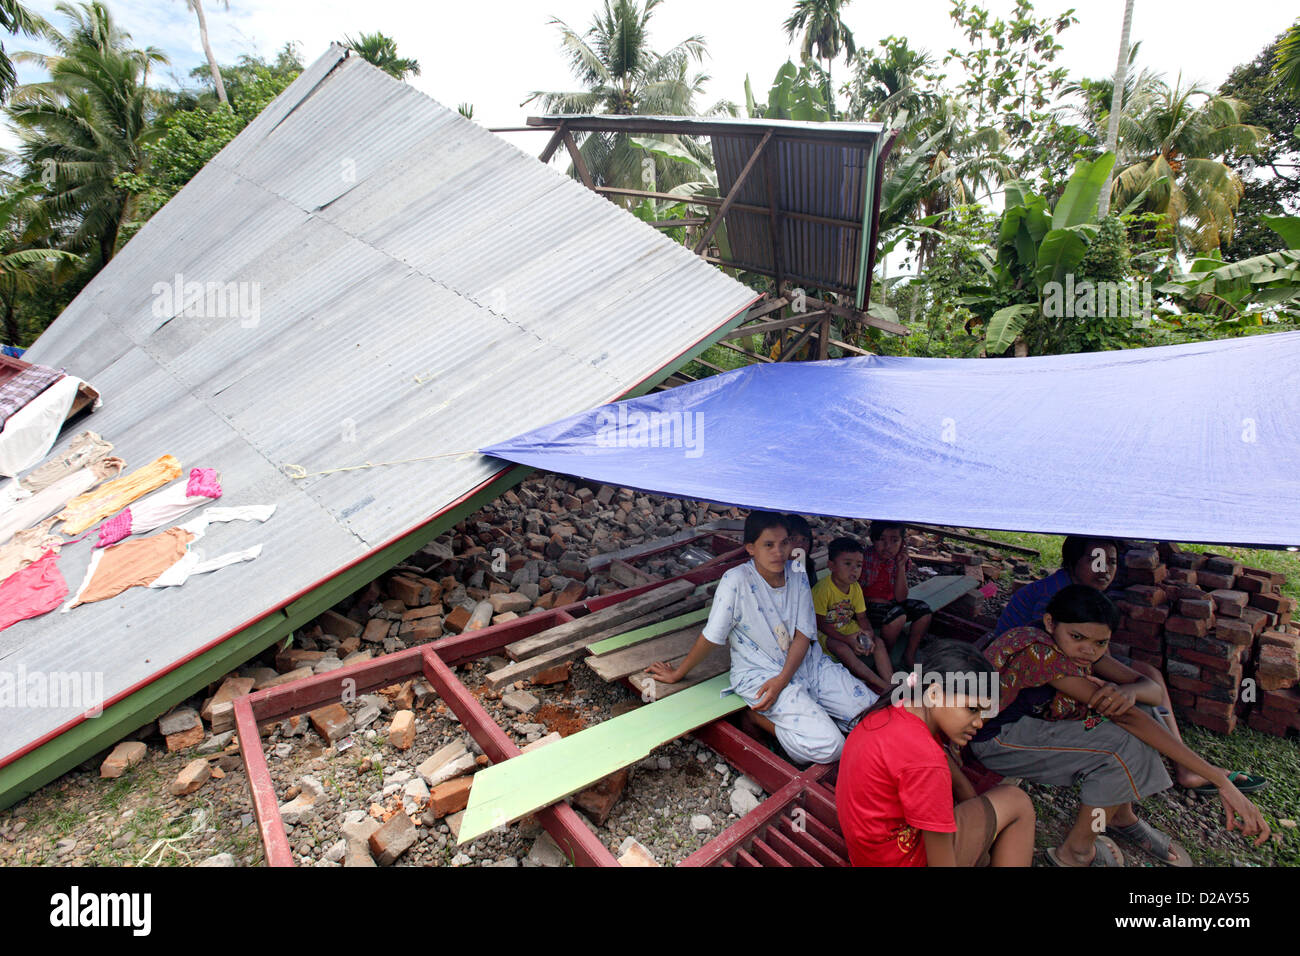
[1116,104]
[12,333]
[207,49]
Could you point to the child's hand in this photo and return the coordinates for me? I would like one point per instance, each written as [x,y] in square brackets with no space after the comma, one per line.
[1252,821]
[768,693]
[1112,700]
[664,674]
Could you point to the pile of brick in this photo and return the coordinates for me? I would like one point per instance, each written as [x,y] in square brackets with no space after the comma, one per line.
[1221,633]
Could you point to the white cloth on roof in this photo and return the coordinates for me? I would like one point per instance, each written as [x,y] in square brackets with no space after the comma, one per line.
[194,563]
[199,524]
[29,433]
[33,510]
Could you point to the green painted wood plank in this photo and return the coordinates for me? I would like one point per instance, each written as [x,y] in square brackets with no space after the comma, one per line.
[645,633]
[515,788]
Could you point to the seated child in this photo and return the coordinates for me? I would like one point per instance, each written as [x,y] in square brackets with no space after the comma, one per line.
[842,626]
[1090,561]
[801,539]
[1070,714]
[763,609]
[1095,562]
[897,784]
[884,586]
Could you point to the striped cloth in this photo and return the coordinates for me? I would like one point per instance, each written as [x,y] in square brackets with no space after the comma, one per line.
[25,386]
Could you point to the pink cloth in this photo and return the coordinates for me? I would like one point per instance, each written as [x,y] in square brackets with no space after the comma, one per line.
[115,529]
[203,482]
[36,589]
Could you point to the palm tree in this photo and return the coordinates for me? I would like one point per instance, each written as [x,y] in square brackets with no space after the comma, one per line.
[1117,92]
[621,74]
[197,7]
[25,266]
[1286,68]
[824,33]
[1172,141]
[86,127]
[15,18]
[381,51]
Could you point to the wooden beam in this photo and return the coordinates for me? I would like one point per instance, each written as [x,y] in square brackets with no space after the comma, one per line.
[837,134]
[609,617]
[734,192]
[854,315]
[773,325]
[754,355]
[579,163]
[771,305]
[823,337]
[798,343]
[646,194]
[552,144]
[675,223]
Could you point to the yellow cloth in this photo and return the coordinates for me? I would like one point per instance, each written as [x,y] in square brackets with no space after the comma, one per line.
[84,510]
[841,607]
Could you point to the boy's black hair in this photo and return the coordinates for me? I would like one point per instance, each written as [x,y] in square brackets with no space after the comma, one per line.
[880,527]
[797,524]
[1075,547]
[841,545]
[756,522]
[940,657]
[1080,604]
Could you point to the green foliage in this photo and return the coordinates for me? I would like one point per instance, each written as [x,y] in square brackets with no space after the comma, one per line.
[381,51]
[797,93]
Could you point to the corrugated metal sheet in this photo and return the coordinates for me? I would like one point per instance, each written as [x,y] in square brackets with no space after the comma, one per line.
[813,178]
[424,288]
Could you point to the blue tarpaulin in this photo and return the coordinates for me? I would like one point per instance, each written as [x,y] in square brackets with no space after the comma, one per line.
[1190,443]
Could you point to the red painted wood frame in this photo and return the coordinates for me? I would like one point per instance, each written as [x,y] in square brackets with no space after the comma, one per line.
[434,661]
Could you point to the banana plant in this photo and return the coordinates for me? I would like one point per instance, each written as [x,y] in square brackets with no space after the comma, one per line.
[1036,247]
[1250,291]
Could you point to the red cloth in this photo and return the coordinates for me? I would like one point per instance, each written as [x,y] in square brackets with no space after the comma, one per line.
[894,782]
[878,576]
[36,589]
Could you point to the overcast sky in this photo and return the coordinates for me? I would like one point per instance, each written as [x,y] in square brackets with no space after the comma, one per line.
[493,54]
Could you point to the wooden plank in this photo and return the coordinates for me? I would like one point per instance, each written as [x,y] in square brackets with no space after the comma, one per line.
[522,670]
[600,620]
[648,194]
[718,662]
[767,308]
[974,539]
[579,163]
[526,668]
[629,660]
[507,791]
[940,591]
[553,144]
[628,638]
[786,323]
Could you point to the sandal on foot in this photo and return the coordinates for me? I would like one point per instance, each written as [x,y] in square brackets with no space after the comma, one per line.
[1107,854]
[1245,782]
[1152,841]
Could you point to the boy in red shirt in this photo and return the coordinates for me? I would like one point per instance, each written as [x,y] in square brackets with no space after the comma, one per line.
[884,586]
[897,786]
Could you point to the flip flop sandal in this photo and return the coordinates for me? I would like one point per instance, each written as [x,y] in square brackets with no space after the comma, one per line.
[1245,782]
[1153,842]
[1108,854]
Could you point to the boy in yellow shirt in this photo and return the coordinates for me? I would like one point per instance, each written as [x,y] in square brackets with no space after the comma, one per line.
[842,626]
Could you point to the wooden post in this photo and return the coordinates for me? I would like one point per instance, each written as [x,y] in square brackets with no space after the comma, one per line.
[553,144]
[579,163]
[733,193]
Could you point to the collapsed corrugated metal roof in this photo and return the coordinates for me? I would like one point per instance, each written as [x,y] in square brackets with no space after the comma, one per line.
[800,214]
[402,284]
